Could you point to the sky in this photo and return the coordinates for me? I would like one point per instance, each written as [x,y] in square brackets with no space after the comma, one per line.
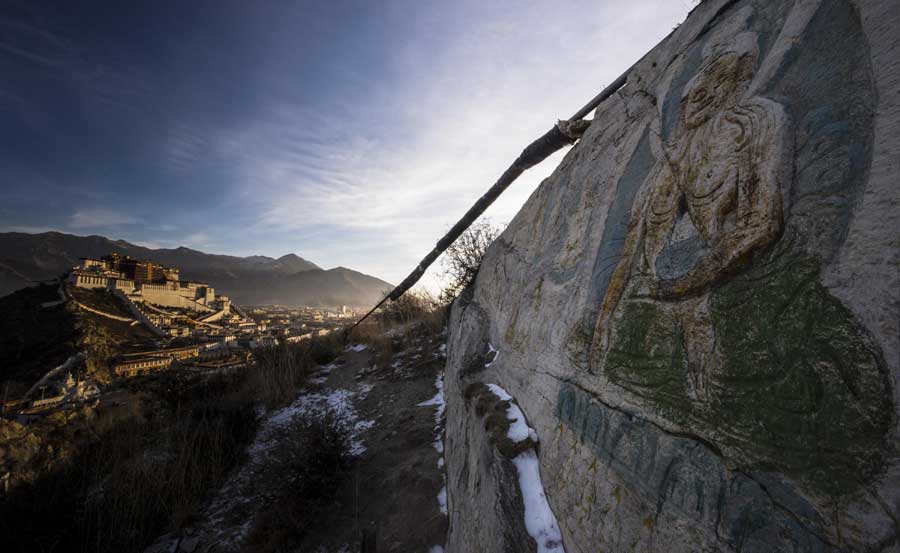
[351,133]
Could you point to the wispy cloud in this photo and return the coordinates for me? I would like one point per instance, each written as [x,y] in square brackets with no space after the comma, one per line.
[99,218]
[153,245]
[266,134]
[404,166]
[200,240]
[184,145]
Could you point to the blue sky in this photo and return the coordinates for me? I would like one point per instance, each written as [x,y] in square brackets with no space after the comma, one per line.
[349,133]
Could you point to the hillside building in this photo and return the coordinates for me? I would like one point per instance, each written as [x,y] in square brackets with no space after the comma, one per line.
[132,364]
[145,281]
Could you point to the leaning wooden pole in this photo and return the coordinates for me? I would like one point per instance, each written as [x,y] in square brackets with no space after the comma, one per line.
[563,133]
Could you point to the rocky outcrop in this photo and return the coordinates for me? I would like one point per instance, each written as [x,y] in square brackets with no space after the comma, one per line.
[698,311]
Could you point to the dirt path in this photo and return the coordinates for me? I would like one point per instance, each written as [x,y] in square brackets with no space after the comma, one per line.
[391,492]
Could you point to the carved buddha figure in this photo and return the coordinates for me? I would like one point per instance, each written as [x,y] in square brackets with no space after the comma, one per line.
[713,198]
[715,315]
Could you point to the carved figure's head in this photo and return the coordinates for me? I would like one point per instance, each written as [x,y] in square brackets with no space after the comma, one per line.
[721,82]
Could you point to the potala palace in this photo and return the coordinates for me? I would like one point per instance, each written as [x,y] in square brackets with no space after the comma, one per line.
[147,282]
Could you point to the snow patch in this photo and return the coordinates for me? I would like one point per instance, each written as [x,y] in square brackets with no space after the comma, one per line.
[357,348]
[356,446]
[364,390]
[242,487]
[322,374]
[441,351]
[338,402]
[540,522]
[496,353]
[500,392]
[442,500]
[519,430]
[438,401]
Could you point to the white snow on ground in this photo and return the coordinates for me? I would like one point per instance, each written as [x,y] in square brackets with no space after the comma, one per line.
[322,375]
[241,487]
[364,390]
[356,347]
[539,518]
[441,352]
[442,499]
[438,401]
[436,549]
[339,402]
[496,353]
[356,447]
[518,428]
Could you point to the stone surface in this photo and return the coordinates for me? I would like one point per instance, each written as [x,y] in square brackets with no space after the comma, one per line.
[698,311]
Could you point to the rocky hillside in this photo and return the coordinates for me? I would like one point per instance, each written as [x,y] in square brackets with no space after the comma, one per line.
[290,279]
[697,312]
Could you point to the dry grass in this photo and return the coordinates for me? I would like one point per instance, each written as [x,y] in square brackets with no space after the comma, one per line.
[378,336]
[414,317]
[283,369]
[146,468]
[129,484]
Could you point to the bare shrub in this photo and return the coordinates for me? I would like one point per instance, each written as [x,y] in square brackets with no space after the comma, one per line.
[394,325]
[314,461]
[412,306]
[463,258]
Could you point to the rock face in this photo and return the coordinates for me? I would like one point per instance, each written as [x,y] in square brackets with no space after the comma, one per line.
[698,311]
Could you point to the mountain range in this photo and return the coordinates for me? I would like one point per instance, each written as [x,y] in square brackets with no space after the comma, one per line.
[254,280]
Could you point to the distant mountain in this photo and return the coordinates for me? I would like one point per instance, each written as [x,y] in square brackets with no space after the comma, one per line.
[289,280]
